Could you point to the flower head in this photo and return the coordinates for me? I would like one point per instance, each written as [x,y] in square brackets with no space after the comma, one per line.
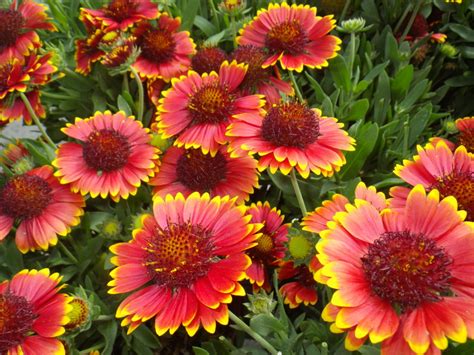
[437,167]
[112,159]
[17,158]
[191,170]
[33,313]
[208,59]
[293,35]
[91,49]
[466,133]
[292,135]
[42,207]
[185,263]
[79,313]
[198,108]
[164,51]
[399,270]
[17,28]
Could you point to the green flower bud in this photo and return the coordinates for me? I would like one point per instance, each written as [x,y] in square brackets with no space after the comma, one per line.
[353,25]
[448,50]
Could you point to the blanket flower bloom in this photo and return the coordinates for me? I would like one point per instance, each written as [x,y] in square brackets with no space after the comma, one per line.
[190,170]
[165,51]
[270,246]
[208,59]
[465,136]
[437,167]
[190,257]
[42,207]
[17,28]
[400,274]
[198,108]
[112,159]
[33,313]
[292,35]
[291,135]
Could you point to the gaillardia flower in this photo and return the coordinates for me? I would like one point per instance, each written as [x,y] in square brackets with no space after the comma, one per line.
[42,207]
[112,159]
[197,109]
[291,135]
[270,246]
[17,28]
[191,170]
[437,167]
[465,137]
[400,275]
[91,49]
[33,313]
[293,35]
[208,59]
[165,52]
[121,14]
[190,256]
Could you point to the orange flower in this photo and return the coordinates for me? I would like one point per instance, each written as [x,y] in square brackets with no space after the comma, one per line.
[33,313]
[293,35]
[189,256]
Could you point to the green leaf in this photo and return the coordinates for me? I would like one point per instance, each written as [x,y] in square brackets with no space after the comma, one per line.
[366,137]
[418,124]
[375,71]
[204,25]
[265,324]
[109,331]
[200,351]
[358,110]
[214,40]
[340,73]
[413,95]
[145,336]
[189,14]
[463,31]
[123,105]
[461,80]
[401,82]
[382,98]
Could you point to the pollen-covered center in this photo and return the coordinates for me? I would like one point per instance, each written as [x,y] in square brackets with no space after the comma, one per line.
[179,254]
[288,37]
[11,23]
[201,172]
[254,58]
[212,103]
[78,314]
[25,196]
[466,138]
[16,320]
[157,45]
[106,150]
[406,269]
[461,186]
[291,124]
[120,10]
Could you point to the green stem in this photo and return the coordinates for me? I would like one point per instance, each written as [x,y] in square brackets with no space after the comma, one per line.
[344,10]
[298,194]
[406,133]
[36,120]
[141,96]
[104,318]
[295,85]
[352,53]
[234,31]
[53,95]
[125,86]
[411,20]
[265,344]
[67,252]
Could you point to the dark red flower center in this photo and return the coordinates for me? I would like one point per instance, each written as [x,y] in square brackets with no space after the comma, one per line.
[407,270]
[157,45]
[11,23]
[121,10]
[208,59]
[179,254]
[211,103]
[288,37]
[461,186]
[25,196]
[201,172]
[118,55]
[291,124]
[304,276]
[466,138]
[419,27]
[16,321]
[106,150]
[5,71]
[254,58]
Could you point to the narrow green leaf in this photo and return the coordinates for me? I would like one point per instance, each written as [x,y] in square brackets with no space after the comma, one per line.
[358,110]
[401,82]
[340,73]
[463,31]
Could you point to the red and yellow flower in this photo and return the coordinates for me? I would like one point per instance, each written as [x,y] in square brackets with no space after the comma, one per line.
[190,170]
[91,49]
[270,248]
[198,108]
[292,35]
[23,76]
[465,136]
[120,14]
[13,153]
[185,263]
[165,51]
[437,167]
[302,289]
[112,159]
[208,59]
[400,274]
[33,313]
[17,28]
[291,135]
[42,207]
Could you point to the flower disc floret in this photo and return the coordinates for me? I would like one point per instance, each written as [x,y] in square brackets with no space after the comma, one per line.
[157,45]
[212,103]
[11,23]
[287,37]
[208,59]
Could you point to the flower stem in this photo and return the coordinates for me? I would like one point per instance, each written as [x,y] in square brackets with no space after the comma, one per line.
[295,85]
[36,120]
[352,47]
[344,10]
[234,31]
[265,344]
[125,86]
[141,99]
[67,252]
[298,194]
[411,20]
